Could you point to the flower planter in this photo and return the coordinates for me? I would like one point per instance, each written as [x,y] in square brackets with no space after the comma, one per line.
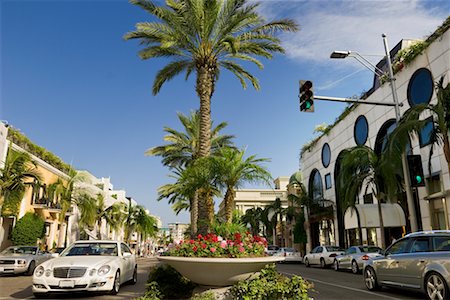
[218,271]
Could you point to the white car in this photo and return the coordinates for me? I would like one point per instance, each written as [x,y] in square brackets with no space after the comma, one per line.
[86,266]
[289,254]
[355,256]
[322,255]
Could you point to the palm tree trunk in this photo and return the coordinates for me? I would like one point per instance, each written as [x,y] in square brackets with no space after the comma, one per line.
[205,89]
[194,214]
[229,201]
[382,235]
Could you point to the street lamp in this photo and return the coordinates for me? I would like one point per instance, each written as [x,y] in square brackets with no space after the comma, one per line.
[379,72]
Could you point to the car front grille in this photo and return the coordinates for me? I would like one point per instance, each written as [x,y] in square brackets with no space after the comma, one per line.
[77,286]
[68,272]
[7,262]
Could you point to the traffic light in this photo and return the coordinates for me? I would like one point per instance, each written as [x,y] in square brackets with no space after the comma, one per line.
[306,96]
[415,170]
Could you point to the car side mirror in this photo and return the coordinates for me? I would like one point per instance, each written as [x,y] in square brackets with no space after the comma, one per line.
[126,254]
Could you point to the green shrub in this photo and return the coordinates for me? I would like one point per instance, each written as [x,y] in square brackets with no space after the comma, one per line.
[170,284]
[271,285]
[152,292]
[28,230]
[208,295]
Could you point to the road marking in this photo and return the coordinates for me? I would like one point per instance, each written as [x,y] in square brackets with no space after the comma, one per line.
[345,287]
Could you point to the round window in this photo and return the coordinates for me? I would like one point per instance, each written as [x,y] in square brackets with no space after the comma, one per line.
[326,155]
[361,130]
[420,87]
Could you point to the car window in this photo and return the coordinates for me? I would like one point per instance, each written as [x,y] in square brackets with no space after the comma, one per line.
[398,247]
[351,250]
[319,250]
[333,248]
[441,243]
[420,245]
[125,249]
[314,250]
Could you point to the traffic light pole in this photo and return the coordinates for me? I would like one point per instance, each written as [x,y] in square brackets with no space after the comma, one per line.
[352,100]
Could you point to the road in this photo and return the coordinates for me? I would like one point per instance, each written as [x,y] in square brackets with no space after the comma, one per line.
[330,285]
[19,287]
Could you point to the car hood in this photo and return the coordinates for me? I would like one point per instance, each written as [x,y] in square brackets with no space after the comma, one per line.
[79,261]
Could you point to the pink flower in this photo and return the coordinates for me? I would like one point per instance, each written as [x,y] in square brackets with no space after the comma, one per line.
[241,249]
[223,244]
[203,246]
[212,249]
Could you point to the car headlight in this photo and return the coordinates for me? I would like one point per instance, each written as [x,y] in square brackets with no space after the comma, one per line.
[103,270]
[39,271]
[21,262]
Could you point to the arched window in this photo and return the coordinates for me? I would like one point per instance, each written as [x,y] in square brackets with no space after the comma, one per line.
[315,186]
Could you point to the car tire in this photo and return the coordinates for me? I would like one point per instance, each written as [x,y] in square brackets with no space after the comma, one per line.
[134,279]
[336,265]
[355,268]
[370,279]
[435,287]
[31,268]
[323,265]
[307,263]
[116,284]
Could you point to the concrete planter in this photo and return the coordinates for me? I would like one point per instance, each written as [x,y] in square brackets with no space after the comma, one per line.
[218,271]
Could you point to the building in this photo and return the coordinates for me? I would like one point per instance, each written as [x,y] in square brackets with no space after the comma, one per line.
[177,231]
[370,125]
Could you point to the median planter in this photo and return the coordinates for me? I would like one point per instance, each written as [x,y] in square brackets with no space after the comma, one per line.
[218,271]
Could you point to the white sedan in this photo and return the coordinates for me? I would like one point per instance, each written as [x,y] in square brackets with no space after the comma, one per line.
[322,255]
[290,255]
[86,266]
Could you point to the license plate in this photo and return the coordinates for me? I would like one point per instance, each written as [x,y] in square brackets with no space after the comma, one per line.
[66,284]
[2,269]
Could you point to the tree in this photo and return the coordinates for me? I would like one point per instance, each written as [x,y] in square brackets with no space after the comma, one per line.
[182,150]
[411,124]
[18,171]
[204,37]
[138,220]
[253,217]
[362,169]
[273,215]
[234,171]
[28,230]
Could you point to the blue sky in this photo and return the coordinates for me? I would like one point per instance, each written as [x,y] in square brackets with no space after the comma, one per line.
[74,86]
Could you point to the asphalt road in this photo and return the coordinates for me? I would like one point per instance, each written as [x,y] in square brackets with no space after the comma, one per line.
[330,285]
[19,287]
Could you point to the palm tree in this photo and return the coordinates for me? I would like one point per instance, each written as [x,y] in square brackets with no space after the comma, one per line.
[18,171]
[362,169]
[204,37]
[181,151]
[137,220]
[234,171]
[274,213]
[411,124]
[253,217]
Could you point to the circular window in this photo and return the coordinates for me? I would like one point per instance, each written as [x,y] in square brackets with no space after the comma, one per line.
[326,155]
[361,130]
[420,87]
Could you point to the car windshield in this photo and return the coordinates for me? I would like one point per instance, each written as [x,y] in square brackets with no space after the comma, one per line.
[81,249]
[288,249]
[370,249]
[333,248]
[20,250]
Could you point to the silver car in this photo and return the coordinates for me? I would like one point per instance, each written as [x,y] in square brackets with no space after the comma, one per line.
[354,258]
[21,259]
[419,261]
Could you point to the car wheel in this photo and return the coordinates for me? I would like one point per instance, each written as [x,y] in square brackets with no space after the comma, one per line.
[116,284]
[307,263]
[370,279]
[336,265]
[355,268]
[323,265]
[436,287]
[134,280]
[31,268]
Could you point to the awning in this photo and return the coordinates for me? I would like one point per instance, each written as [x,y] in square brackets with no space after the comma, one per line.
[393,216]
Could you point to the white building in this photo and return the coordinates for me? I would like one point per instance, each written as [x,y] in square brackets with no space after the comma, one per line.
[369,125]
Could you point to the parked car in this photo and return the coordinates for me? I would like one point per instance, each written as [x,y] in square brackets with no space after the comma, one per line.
[419,261]
[87,266]
[21,259]
[354,258]
[272,249]
[322,255]
[290,255]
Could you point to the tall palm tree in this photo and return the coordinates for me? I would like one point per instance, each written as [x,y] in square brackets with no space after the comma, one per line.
[411,124]
[234,171]
[274,214]
[253,217]
[18,171]
[362,169]
[204,37]
[137,220]
[182,149]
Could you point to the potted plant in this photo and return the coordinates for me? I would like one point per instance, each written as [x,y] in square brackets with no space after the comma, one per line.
[213,260]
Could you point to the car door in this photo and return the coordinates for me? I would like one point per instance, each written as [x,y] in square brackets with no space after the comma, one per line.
[128,261]
[317,255]
[388,267]
[346,260]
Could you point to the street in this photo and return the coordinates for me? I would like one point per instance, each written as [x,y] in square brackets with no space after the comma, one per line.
[329,284]
[19,287]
